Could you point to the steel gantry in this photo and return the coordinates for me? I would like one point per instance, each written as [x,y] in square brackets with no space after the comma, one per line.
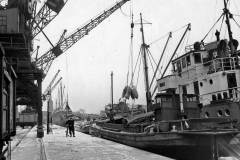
[45,15]
[44,62]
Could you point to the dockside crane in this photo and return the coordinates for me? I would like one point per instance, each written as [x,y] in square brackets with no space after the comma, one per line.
[44,62]
[47,95]
[45,15]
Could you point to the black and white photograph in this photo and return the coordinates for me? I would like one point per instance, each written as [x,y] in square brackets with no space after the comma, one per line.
[120,80]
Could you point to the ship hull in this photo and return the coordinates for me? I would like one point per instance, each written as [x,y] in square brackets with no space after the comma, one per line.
[177,145]
[59,118]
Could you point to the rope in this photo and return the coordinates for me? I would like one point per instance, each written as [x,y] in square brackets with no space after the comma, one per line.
[236,22]
[131,48]
[137,62]
[178,29]
[67,76]
[212,28]
[165,35]
[128,69]
[150,62]
[148,51]
[158,39]
[130,12]
[138,73]
[126,15]
[151,57]
[222,24]
[130,58]
[152,66]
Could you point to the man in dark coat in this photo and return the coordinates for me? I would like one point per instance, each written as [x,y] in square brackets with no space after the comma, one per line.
[71,127]
[67,127]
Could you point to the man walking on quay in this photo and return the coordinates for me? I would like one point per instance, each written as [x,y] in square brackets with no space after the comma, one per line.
[71,127]
[67,127]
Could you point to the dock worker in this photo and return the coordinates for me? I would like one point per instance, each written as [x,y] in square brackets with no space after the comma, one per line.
[67,128]
[71,127]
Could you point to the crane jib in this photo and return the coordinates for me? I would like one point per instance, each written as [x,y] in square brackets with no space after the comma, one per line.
[63,45]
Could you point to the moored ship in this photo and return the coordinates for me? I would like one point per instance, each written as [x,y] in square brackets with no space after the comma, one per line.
[196,112]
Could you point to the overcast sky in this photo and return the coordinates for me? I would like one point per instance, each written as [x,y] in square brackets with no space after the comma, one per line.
[87,65]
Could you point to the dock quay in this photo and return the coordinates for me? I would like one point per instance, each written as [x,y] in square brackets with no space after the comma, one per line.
[56,146]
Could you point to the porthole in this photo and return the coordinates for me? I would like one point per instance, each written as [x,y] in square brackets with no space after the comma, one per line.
[201,84]
[211,81]
[206,115]
[227,112]
[219,113]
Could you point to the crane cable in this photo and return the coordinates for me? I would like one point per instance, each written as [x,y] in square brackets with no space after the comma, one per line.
[67,79]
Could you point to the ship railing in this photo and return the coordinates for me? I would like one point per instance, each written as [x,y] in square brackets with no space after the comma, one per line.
[221,64]
[190,125]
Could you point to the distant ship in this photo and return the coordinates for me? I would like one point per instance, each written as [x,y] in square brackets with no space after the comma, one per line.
[60,116]
[196,112]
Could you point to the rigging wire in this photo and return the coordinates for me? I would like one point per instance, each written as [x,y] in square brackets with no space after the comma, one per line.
[130,10]
[222,23]
[236,22]
[212,27]
[67,74]
[148,51]
[138,59]
[125,14]
[130,57]
[149,57]
[165,35]
[158,39]
[139,68]
[180,28]
[131,48]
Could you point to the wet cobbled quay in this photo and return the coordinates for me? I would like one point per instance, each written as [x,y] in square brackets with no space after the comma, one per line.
[56,146]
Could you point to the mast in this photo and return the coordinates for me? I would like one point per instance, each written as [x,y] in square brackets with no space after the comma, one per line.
[228,15]
[143,48]
[174,53]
